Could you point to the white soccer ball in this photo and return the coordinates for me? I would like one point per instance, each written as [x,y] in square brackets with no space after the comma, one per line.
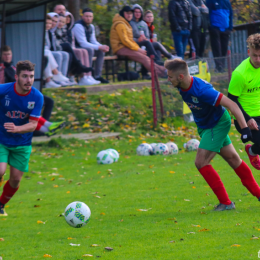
[105,157]
[173,148]
[77,214]
[161,149]
[114,153]
[192,145]
[144,149]
[153,145]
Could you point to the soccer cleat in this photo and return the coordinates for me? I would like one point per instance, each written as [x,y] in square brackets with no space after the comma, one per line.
[1,180]
[221,207]
[55,128]
[254,160]
[2,212]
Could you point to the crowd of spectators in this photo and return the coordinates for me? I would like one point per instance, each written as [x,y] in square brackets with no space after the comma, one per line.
[70,46]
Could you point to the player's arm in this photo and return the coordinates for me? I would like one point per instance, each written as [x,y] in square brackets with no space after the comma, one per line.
[235,110]
[21,129]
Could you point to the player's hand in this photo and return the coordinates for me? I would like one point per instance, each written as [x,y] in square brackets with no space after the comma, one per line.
[11,128]
[246,135]
[252,124]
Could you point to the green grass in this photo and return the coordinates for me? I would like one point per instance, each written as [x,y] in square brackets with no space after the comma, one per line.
[114,199]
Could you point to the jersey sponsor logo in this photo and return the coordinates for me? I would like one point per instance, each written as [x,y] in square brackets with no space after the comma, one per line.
[195,99]
[16,114]
[253,89]
[31,105]
[192,106]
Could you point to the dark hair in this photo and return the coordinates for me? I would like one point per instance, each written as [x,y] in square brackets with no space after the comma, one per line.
[177,65]
[48,17]
[87,10]
[6,48]
[24,65]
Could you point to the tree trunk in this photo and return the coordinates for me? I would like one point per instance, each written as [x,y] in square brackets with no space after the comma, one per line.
[74,8]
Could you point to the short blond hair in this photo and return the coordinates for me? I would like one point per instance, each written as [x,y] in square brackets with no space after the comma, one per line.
[177,65]
[253,41]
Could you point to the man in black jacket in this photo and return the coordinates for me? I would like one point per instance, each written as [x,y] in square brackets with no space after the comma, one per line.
[7,64]
[180,18]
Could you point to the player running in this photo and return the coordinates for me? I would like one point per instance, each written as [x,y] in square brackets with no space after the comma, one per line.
[20,109]
[213,122]
[244,89]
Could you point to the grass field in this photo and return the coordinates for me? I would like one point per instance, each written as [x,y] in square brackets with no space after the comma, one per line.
[155,207]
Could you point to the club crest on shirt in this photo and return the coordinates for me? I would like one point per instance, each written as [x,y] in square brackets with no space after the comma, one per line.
[31,105]
[195,99]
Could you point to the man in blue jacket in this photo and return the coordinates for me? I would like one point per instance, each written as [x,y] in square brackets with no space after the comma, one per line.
[221,25]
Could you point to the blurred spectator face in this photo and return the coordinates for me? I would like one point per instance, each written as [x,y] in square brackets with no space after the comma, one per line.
[87,17]
[60,9]
[7,56]
[149,18]
[54,21]
[254,57]
[68,19]
[128,16]
[25,80]
[137,13]
[48,24]
[62,22]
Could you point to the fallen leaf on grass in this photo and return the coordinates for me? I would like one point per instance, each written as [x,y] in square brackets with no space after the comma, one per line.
[171,218]
[191,233]
[195,225]
[109,248]
[55,186]
[70,238]
[68,192]
[88,255]
[186,200]
[102,213]
[254,238]
[172,241]
[172,171]
[1,239]
[94,245]
[40,222]
[143,209]
[39,182]
[74,244]
[236,245]
[46,255]
[204,229]
[36,206]
[193,187]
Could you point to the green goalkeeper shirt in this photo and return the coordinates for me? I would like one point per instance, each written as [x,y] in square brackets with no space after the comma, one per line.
[245,84]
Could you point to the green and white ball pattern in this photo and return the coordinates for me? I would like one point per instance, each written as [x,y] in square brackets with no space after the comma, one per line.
[77,214]
[173,148]
[114,153]
[192,145]
[153,145]
[144,149]
[105,157]
[161,149]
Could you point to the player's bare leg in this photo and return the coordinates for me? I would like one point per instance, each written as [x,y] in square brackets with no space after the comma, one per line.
[10,188]
[202,163]
[242,170]
[2,172]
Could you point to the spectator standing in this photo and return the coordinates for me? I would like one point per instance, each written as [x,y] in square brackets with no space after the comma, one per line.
[122,42]
[180,18]
[221,25]
[197,9]
[84,32]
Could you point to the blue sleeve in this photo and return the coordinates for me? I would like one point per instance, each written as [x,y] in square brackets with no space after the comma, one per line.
[209,95]
[3,89]
[36,112]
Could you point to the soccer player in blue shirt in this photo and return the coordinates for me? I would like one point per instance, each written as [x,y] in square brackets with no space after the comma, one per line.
[213,122]
[20,109]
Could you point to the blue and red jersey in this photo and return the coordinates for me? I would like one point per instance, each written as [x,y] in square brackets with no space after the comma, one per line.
[203,101]
[18,109]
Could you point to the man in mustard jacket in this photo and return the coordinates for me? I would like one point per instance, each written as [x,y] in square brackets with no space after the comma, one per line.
[122,42]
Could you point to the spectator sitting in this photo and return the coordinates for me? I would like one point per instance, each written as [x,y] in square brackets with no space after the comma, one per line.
[197,9]
[84,32]
[61,57]
[181,24]
[51,72]
[9,72]
[81,54]
[122,42]
[60,9]
[149,18]
[76,66]
[221,25]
